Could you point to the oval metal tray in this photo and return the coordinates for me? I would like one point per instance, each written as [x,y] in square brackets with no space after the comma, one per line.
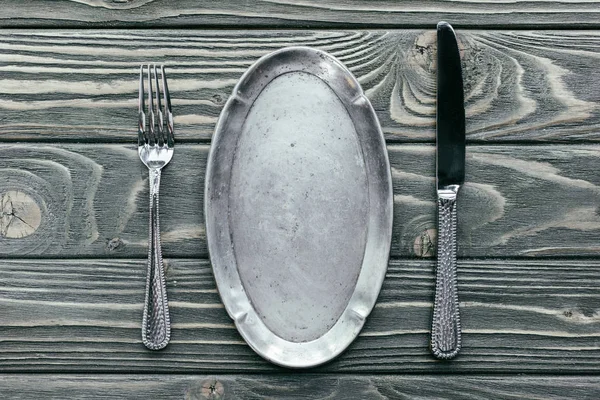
[298,207]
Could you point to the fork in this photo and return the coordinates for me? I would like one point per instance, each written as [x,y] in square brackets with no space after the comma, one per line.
[155,148]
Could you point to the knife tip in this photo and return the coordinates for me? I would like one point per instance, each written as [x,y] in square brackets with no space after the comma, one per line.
[443,25]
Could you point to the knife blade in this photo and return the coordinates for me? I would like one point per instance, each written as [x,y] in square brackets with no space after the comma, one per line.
[446,330]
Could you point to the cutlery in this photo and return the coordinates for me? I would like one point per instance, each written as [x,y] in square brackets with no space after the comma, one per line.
[445,330]
[155,148]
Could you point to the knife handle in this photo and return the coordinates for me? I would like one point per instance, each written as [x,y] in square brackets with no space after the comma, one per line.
[445,330]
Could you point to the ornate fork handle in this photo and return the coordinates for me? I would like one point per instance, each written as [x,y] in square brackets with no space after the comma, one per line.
[445,330]
[156,324]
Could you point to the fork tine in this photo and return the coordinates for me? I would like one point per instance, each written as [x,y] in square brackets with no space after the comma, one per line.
[142,139]
[168,112]
[152,130]
[160,121]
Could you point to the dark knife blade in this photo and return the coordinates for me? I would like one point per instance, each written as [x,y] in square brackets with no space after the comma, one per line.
[450,110]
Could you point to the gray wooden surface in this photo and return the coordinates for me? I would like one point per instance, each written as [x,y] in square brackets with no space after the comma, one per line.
[519,200]
[532,86]
[519,316]
[299,387]
[73,198]
[297,14]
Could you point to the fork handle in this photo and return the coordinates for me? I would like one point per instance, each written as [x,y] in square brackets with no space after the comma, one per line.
[156,323]
[445,330]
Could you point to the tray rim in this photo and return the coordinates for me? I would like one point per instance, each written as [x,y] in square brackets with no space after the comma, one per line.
[375,258]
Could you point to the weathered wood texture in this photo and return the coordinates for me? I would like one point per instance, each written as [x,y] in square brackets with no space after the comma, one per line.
[294,14]
[82,85]
[92,200]
[297,387]
[84,315]
[520,315]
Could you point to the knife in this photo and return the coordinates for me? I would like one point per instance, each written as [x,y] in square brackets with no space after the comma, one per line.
[445,330]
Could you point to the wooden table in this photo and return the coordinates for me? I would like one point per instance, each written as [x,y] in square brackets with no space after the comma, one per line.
[73,226]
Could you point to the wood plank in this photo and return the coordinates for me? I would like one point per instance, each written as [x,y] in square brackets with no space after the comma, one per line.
[297,14]
[82,85]
[298,386]
[84,315]
[92,200]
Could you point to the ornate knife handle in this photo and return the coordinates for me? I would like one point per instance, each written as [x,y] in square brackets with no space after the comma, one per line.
[156,323]
[445,330]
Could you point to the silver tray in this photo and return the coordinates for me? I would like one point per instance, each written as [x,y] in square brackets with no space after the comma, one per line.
[298,207]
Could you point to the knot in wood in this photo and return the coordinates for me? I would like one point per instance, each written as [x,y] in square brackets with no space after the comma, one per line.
[20,215]
[114,244]
[210,389]
[425,243]
[218,98]
[424,52]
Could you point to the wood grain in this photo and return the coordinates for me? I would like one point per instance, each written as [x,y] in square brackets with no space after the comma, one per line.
[84,315]
[60,203]
[297,387]
[92,200]
[297,14]
[82,85]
